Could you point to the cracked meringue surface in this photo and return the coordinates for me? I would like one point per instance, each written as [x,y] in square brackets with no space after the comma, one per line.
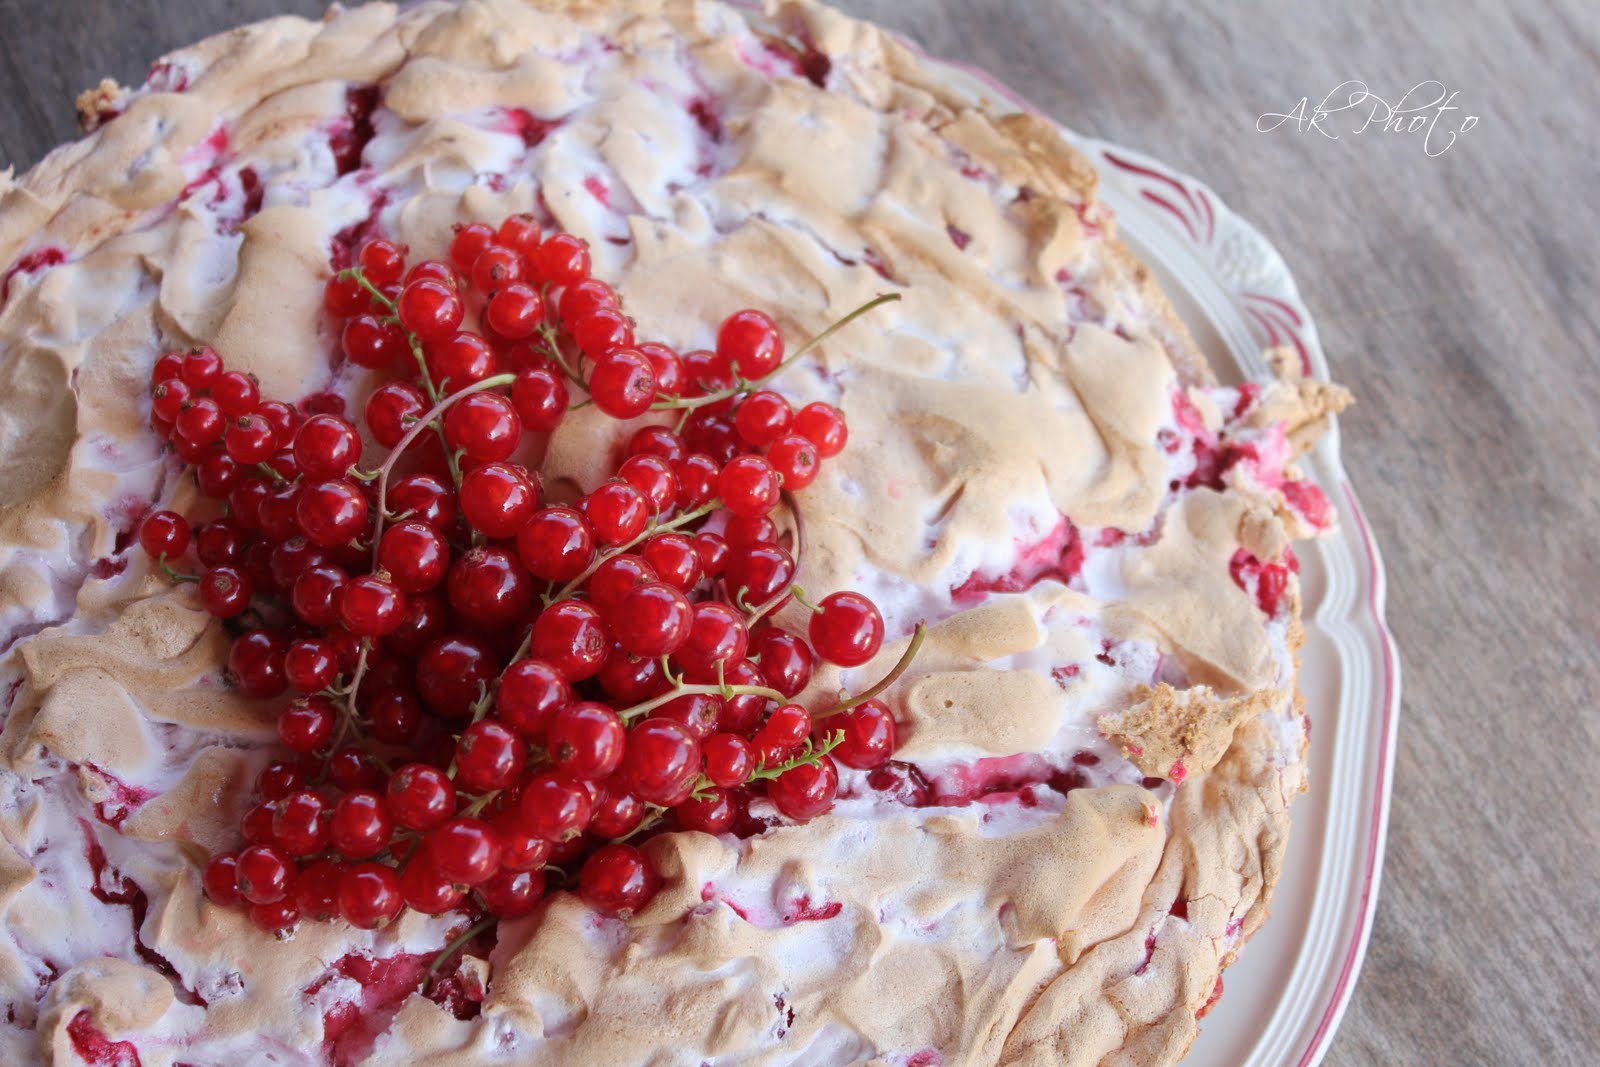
[1101,738]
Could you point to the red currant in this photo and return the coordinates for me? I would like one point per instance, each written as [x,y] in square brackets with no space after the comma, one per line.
[675,560]
[571,637]
[498,499]
[430,309]
[617,512]
[306,725]
[420,797]
[225,591]
[540,397]
[326,446]
[660,761]
[263,874]
[749,486]
[749,341]
[373,342]
[586,740]
[331,512]
[470,242]
[514,311]
[729,760]
[869,735]
[255,662]
[452,673]
[556,544]
[369,895]
[164,534]
[555,806]
[489,756]
[415,554]
[561,260]
[652,620]
[465,850]
[822,425]
[531,692]
[484,426]
[847,629]
[617,880]
[716,635]
[804,792]
[370,606]
[795,459]
[392,410]
[489,588]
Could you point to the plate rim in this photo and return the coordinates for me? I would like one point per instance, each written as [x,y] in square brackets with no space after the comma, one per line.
[1263,293]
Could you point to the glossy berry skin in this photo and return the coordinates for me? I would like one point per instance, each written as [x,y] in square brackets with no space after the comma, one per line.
[332,512]
[255,663]
[762,417]
[710,813]
[306,725]
[392,410]
[697,479]
[657,441]
[316,593]
[489,756]
[847,630]
[371,607]
[167,368]
[278,779]
[700,712]
[249,439]
[796,460]
[741,713]
[823,425]
[424,889]
[540,398]
[489,588]
[614,579]
[869,735]
[749,341]
[623,384]
[396,716]
[675,560]
[470,242]
[263,874]
[164,534]
[217,474]
[742,531]
[804,792]
[585,740]
[667,366]
[713,551]
[556,544]
[219,542]
[561,260]
[660,761]
[617,880]
[712,434]
[749,486]
[653,477]
[430,309]
[571,636]
[496,266]
[236,393]
[604,332]
[498,499]
[458,360]
[451,672]
[199,422]
[299,825]
[225,591]
[583,298]
[616,811]
[616,511]
[531,692]
[316,891]
[351,769]
[361,826]
[424,498]
[520,848]
[325,446]
[420,797]
[629,679]
[555,806]
[514,311]
[374,343]
[652,620]
[510,894]
[465,850]
[786,660]
[758,573]
[716,635]
[729,760]
[276,918]
[369,895]
[483,425]
[415,554]
[220,879]
[201,368]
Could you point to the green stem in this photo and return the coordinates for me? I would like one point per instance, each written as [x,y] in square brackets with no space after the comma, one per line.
[917,637]
[724,691]
[649,531]
[459,943]
[744,386]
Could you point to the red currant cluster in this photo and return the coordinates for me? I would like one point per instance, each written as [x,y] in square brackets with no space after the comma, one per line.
[490,688]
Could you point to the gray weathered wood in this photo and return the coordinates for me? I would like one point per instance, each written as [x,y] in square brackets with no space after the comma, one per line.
[1456,297]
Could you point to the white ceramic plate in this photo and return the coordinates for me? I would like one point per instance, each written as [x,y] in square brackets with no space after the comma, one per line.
[1289,989]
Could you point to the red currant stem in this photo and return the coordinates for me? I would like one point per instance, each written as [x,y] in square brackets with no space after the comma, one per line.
[799,594]
[724,691]
[458,944]
[482,802]
[360,275]
[347,720]
[267,469]
[649,531]
[646,824]
[917,637]
[172,575]
[362,476]
[745,385]
[412,434]
[422,370]
[810,754]
[666,671]
[553,347]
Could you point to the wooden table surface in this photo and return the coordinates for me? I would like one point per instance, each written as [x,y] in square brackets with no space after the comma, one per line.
[1456,296]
